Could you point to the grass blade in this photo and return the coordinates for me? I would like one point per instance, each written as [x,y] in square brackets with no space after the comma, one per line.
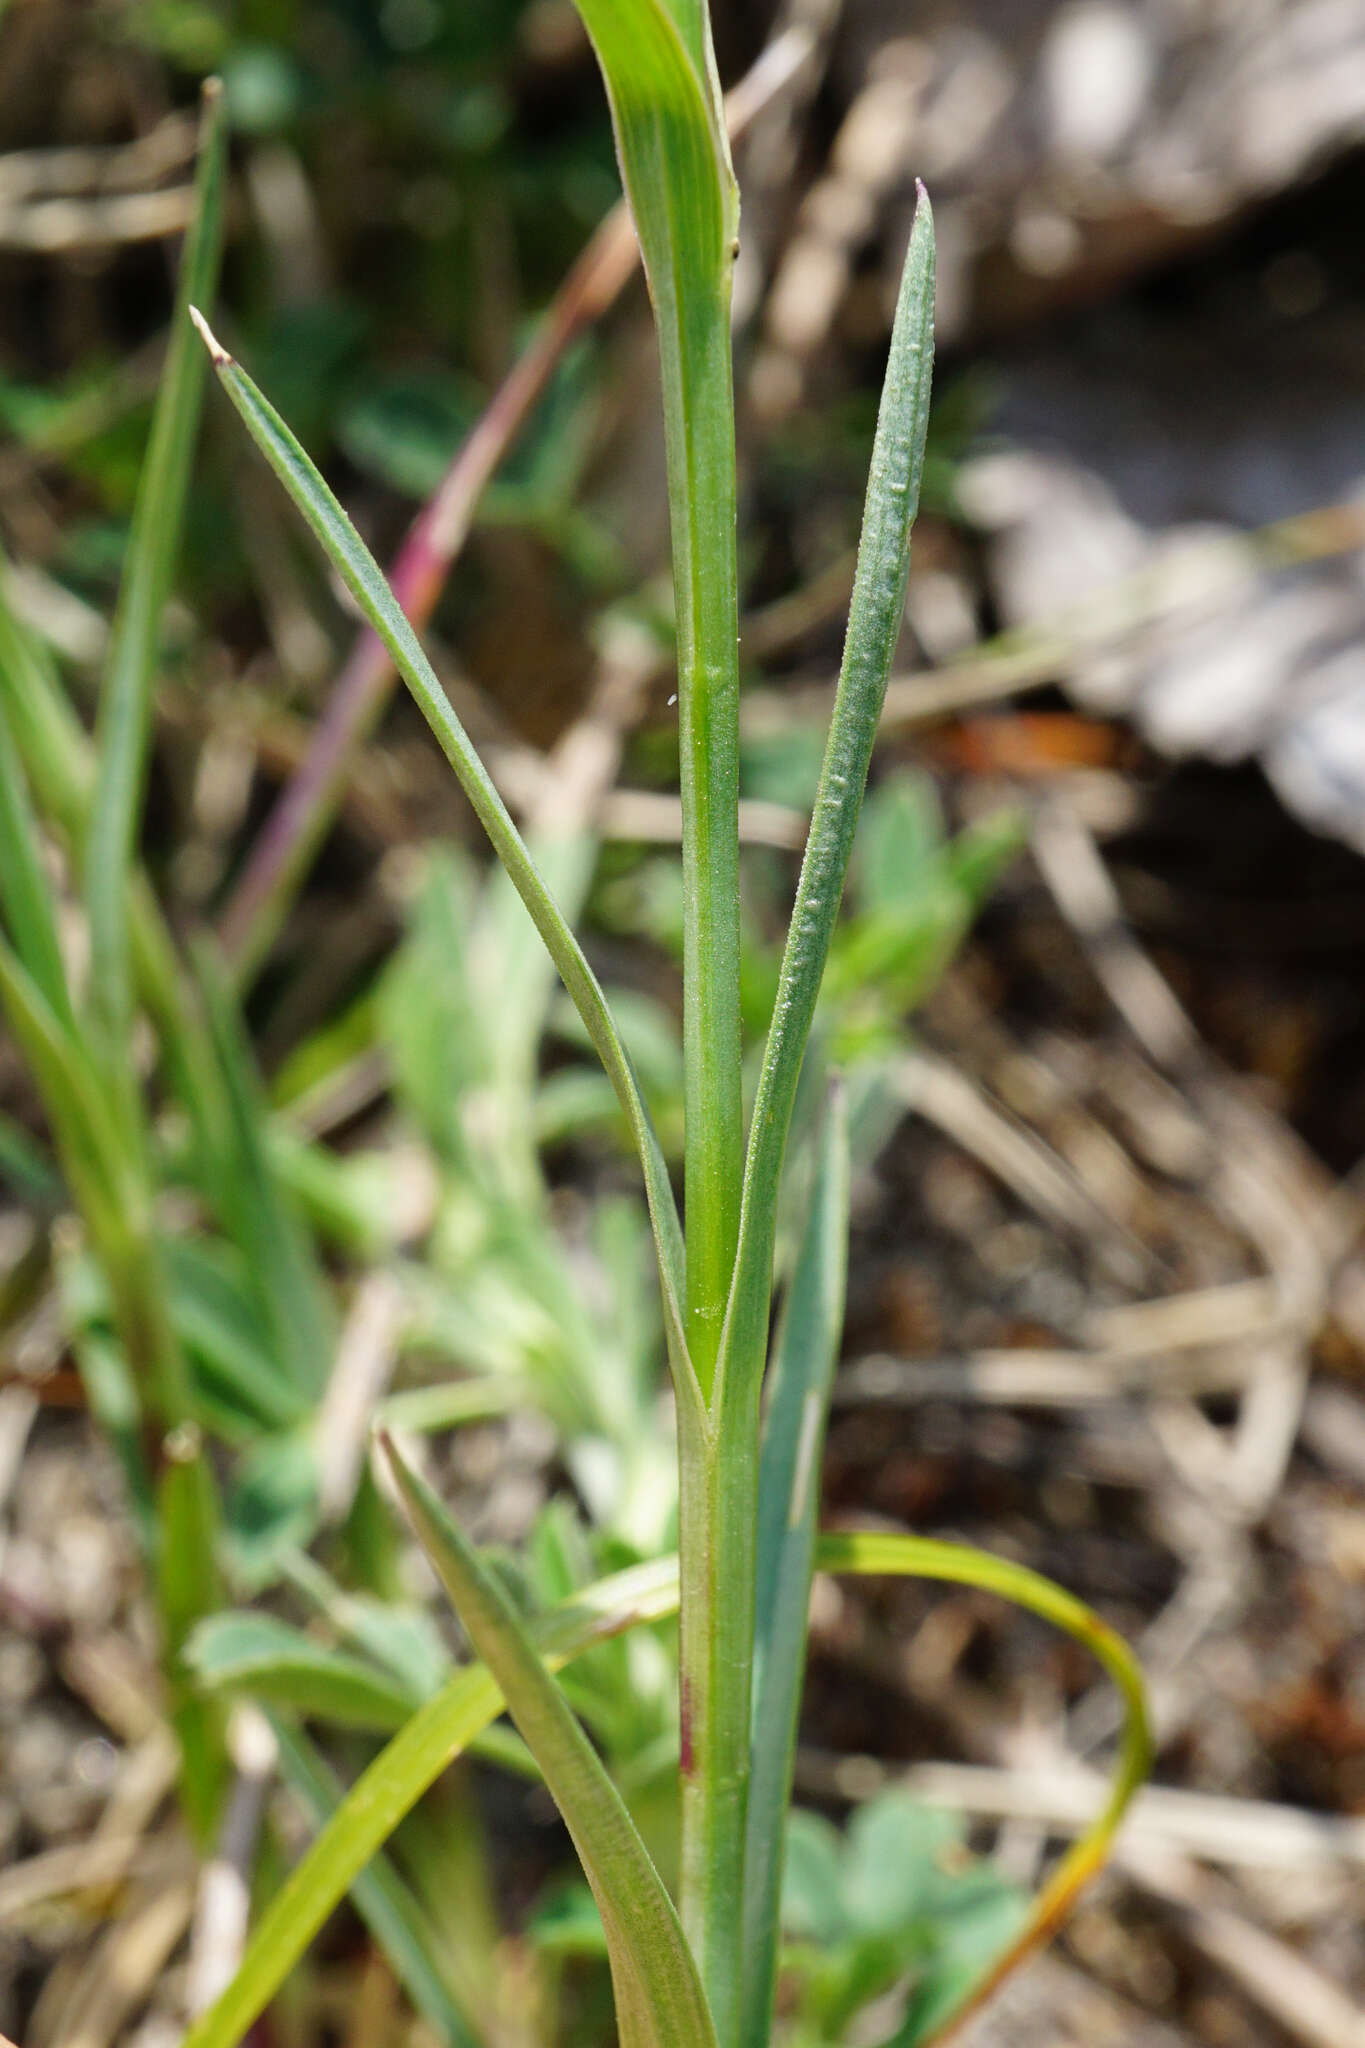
[384,1902]
[361,575]
[670,134]
[103,1162]
[52,742]
[58,756]
[247,1191]
[25,892]
[153,545]
[804,1359]
[88,1136]
[391,1786]
[659,1999]
[873,628]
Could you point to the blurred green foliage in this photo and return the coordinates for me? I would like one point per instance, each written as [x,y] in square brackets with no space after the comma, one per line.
[894,1908]
[453,156]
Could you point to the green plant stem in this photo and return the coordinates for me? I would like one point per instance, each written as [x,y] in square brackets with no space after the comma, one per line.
[670,136]
[699,417]
[719,1498]
[717,1475]
[188,1586]
[717,1532]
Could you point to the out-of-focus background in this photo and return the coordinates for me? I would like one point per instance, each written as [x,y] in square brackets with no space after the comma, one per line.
[1107,1290]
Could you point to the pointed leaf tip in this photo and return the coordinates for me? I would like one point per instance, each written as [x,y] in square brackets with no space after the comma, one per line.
[220,358]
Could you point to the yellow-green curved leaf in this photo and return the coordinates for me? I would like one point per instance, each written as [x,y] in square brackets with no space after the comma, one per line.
[382,1899]
[921,1557]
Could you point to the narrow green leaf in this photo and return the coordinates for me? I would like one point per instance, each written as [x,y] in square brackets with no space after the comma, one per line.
[26,894]
[359,571]
[506,951]
[670,134]
[187,1571]
[248,1194]
[89,1137]
[675,158]
[59,758]
[444,1728]
[154,543]
[804,1359]
[692,19]
[384,1902]
[451,1403]
[104,1166]
[51,740]
[219,1322]
[391,1786]
[268,1660]
[25,1166]
[659,1999]
[873,628]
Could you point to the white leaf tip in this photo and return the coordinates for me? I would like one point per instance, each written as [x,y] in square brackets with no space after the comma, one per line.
[220,356]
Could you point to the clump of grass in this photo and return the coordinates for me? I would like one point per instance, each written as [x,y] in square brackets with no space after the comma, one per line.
[700,1969]
[704,1971]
